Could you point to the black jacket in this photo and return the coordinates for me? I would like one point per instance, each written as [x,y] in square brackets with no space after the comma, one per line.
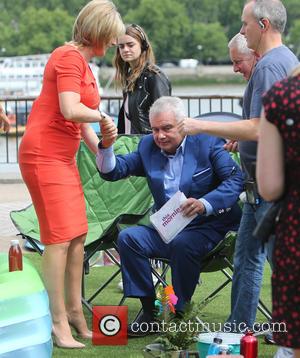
[149,86]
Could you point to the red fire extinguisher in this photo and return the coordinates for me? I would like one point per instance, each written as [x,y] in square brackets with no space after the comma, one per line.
[249,345]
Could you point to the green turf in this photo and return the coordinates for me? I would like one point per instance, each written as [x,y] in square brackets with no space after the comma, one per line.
[216,311]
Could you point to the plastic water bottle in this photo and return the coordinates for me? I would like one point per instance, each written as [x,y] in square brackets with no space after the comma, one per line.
[15,257]
[224,349]
[214,347]
[249,345]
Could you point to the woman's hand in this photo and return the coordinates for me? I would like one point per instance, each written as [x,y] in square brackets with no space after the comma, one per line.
[4,121]
[109,131]
[190,126]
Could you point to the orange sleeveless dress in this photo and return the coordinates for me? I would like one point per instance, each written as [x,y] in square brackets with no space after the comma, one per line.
[49,145]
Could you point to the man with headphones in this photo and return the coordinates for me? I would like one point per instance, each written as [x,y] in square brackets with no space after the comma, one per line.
[263,24]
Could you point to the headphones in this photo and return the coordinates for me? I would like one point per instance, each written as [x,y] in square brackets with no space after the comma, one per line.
[144,42]
[261,24]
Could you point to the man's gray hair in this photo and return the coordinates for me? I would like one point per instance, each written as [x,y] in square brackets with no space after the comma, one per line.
[239,43]
[273,10]
[168,104]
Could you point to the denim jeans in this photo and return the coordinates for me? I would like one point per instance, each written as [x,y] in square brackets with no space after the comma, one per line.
[249,259]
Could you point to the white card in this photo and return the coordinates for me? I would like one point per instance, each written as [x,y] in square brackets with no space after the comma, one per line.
[168,220]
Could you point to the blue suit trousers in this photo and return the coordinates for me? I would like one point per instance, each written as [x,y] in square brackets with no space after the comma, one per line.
[186,252]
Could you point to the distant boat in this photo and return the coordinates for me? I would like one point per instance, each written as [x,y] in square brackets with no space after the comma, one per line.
[23,75]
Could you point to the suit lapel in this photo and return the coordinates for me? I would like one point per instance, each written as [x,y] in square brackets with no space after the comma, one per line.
[189,166]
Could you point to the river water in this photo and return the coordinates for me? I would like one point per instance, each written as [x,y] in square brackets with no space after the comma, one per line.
[234,90]
[9,145]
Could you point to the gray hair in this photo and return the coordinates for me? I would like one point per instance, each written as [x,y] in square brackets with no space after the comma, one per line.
[239,43]
[168,104]
[273,10]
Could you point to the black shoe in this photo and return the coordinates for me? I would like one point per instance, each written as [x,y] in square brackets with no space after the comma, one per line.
[143,326]
[268,338]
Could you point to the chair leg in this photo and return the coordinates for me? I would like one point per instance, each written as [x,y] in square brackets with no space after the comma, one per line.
[122,301]
[103,286]
[216,291]
[87,301]
[261,306]
[204,327]
[264,310]
[111,256]
[33,243]
[161,277]
[86,304]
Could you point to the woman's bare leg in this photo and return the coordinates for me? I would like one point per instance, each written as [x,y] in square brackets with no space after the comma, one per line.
[54,266]
[74,267]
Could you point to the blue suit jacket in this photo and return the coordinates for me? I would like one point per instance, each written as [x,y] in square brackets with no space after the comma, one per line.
[208,172]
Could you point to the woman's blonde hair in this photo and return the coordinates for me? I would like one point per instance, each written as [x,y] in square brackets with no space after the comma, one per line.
[126,76]
[97,24]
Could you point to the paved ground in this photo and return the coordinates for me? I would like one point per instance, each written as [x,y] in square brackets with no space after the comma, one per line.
[13,196]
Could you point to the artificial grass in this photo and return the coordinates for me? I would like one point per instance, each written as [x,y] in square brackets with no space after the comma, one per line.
[216,311]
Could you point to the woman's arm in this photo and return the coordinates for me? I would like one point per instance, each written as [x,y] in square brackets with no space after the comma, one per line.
[90,137]
[4,121]
[270,161]
[73,110]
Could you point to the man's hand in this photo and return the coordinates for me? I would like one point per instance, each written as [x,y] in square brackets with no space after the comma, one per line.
[231,146]
[190,126]
[192,206]
[109,132]
[4,121]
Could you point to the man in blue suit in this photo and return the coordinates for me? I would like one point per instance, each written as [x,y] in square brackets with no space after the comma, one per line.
[200,168]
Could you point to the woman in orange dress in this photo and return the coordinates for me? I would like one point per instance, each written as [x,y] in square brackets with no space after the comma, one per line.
[59,118]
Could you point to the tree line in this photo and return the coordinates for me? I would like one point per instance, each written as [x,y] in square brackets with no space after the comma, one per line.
[177,29]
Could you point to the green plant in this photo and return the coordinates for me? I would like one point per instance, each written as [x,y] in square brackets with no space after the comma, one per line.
[179,332]
[179,329]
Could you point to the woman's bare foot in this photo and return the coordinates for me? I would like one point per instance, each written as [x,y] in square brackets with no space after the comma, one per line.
[62,336]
